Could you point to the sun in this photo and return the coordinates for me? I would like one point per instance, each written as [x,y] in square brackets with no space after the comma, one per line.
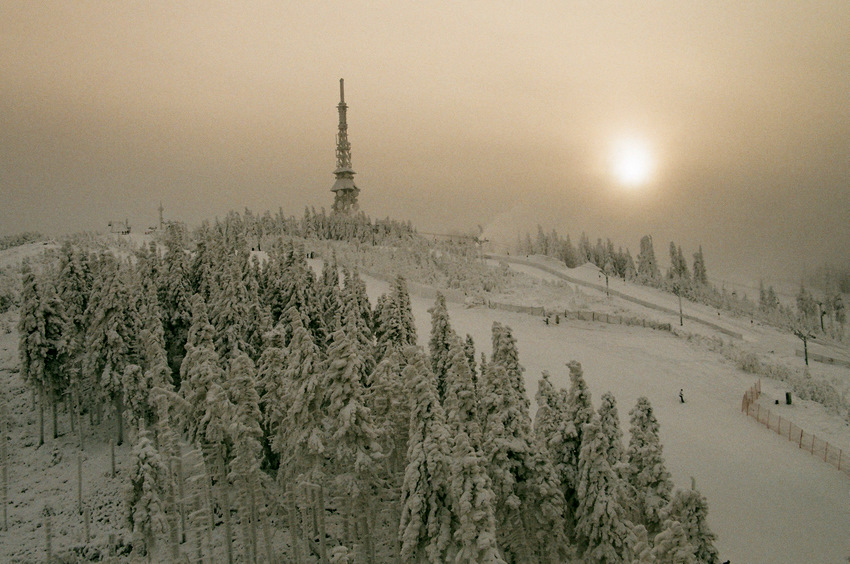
[632,162]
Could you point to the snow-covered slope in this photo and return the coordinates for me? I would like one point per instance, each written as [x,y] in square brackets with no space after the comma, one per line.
[769,502]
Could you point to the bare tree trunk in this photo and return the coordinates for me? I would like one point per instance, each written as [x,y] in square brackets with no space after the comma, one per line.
[267,533]
[4,459]
[171,516]
[294,527]
[78,414]
[225,508]
[119,420]
[178,467]
[320,509]
[41,419]
[79,482]
[55,408]
[48,533]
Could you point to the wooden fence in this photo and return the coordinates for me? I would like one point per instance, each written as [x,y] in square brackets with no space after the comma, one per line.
[786,428]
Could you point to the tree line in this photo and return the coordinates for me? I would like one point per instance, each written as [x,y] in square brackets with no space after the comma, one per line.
[318,414]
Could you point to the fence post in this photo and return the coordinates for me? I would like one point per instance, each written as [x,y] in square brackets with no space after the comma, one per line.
[779,427]
[813,445]
[801,439]
[825,451]
[839,458]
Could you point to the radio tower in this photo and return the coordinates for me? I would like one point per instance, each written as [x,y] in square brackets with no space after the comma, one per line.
[344,189]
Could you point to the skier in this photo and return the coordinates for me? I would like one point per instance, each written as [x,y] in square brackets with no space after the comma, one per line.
[682,395]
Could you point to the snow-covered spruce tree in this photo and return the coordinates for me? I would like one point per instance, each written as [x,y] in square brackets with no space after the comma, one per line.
[110,339]
[647,265]
[646,473]
[395,327]
[579,412]
[469,350]
[293,401]
[386,398]
[530,505]
[175,296]
[245,435]
[74,286]
[201,268]
[603,529]
[438,345]
[690,508]
[153,370]
[259,316]
[199,371]
[473,500]
[461,402]
[273,391]
[356,290]
[355,306]
[146,514]
[551,425]
[42,344]
[328,292]
[295,286]
[352,448]
[609,424]
[228,310]
[700,272]
[426,529]
[672,545]
[473,505]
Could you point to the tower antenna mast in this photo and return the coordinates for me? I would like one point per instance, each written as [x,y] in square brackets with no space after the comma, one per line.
[344,189]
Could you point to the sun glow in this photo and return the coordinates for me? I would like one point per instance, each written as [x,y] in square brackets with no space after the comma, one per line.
[632,162]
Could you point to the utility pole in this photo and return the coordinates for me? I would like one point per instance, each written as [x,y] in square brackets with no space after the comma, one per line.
[805,338]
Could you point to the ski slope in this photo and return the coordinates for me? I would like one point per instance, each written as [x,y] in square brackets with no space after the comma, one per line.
[769,502]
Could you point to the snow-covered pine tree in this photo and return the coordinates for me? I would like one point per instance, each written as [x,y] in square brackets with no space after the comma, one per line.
[461,401]
[355,307]
[395,326]
[578,411]
[700,272]
[153,370]
[328,292]
[146,514]
[690,508]
[175,295]
[199,371]
[603,529]
[551,426]
[646,473]
[42,344]
[110,338]
[530,505]
[469,350]
[351,443]
[74,286]
[647,265]
[672,545]
[426,529]
[273,390]
[356,289]
[473,505]
[259,316]
[386,398]
[293,401]
[438,346]
[609,424]
[245,435]
[297,288]
[228,310]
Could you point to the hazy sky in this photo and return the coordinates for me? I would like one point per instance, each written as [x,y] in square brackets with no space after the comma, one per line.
[502,114]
